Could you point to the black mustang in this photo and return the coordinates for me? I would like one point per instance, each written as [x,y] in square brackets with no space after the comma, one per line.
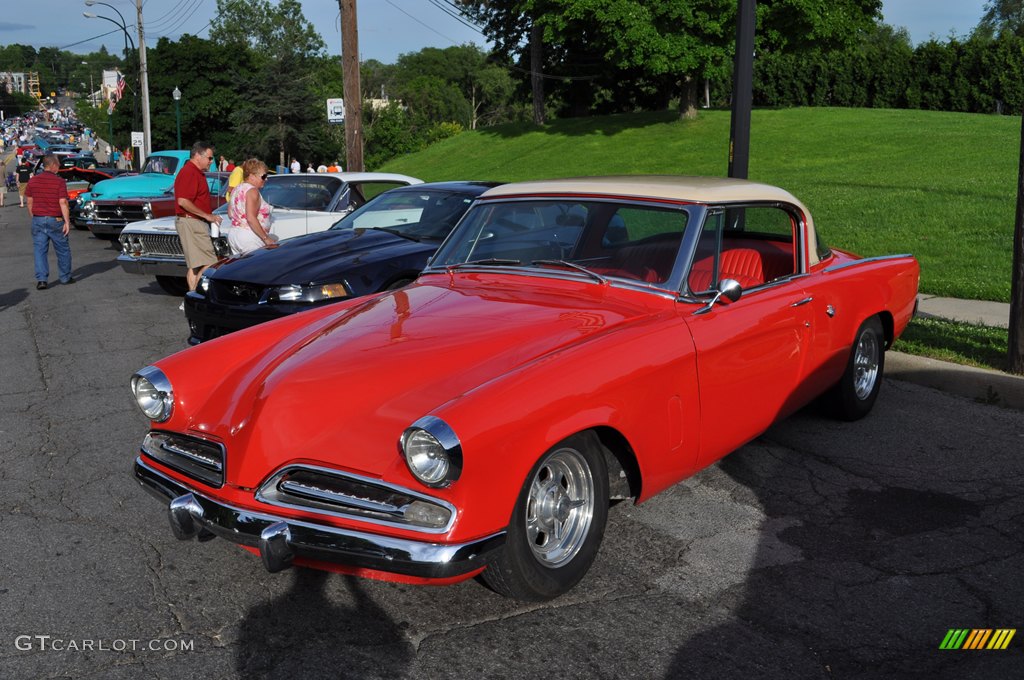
[381,246]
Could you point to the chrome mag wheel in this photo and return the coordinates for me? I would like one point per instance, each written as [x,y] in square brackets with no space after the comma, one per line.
[560,507]
[866,363]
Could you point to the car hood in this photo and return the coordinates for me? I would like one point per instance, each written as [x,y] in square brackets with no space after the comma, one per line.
[319,258]
[150,184]
[344,393]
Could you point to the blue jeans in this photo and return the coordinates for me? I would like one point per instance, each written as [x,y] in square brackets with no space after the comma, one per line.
[44,230]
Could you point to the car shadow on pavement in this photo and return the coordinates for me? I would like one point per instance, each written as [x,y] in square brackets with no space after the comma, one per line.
[12,298]
[867,557]
[311,632]
[87,270]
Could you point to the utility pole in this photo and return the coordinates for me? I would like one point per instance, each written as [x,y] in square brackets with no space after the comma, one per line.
[1016,336]
[147,145]
[742,90]
[352,87]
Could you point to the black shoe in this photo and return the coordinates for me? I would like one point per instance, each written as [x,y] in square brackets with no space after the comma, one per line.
[41,285]
[69,281]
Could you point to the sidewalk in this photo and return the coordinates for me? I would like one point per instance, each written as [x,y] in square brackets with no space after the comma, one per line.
[983,312]
[987,386]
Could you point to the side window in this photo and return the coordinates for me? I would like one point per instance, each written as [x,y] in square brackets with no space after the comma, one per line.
[754,245]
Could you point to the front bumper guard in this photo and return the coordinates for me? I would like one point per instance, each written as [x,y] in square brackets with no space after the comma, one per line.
[280,540]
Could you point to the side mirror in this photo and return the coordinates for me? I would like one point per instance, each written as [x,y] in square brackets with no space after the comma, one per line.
[729,289]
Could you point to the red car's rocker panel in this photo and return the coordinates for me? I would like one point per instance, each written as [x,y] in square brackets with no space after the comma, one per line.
[572,342]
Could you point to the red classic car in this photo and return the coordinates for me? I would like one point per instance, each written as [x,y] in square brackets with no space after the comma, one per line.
[572,342]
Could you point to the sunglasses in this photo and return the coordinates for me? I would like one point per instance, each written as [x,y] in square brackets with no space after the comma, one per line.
[264,176]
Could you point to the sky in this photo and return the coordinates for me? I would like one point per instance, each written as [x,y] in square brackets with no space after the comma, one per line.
[387,28]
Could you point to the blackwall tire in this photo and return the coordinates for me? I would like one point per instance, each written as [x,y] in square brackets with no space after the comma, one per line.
[557,524]
[857,391]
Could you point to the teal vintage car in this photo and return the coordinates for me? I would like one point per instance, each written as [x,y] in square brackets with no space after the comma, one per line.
[156,178]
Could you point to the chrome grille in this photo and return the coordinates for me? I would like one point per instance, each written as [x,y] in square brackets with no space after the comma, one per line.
[165,245]
[343,494]
[198,458]
[116,213]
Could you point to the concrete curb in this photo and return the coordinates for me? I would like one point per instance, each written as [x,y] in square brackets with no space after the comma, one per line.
[980,384]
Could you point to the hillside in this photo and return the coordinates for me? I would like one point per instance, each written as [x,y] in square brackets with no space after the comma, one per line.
[939,185]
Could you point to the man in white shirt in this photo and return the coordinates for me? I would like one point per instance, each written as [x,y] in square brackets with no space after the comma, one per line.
[296,165]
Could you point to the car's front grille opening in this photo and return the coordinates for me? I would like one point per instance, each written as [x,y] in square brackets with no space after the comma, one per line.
[235,292]
[198,458]
[338,493]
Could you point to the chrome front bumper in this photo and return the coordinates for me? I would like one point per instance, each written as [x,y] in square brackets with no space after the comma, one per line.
[280,540]
[153,266]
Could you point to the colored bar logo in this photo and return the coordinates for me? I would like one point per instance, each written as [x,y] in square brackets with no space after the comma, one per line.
[977,638]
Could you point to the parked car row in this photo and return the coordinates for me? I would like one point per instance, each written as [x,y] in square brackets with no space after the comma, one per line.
[479,370]
[303,204]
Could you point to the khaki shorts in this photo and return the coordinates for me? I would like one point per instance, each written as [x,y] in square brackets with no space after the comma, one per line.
[195,242]
[21,188]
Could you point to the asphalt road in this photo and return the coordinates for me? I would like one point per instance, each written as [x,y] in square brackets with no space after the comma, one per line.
[820,550]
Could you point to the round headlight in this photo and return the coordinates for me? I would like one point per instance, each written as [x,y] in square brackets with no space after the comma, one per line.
[432,452]
[153,393]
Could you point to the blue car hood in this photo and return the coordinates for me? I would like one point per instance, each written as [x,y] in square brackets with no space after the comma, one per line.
[322,258]
[150,184]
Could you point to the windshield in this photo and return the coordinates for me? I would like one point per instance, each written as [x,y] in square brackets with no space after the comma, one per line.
[301,192]
[634,241]
[422,214]
[163,165]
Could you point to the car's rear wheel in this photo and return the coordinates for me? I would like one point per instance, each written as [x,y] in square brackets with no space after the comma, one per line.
[557,524]
[857,390]
[173,285]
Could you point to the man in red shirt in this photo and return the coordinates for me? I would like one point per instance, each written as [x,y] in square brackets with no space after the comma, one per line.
[47,197]
[192,209]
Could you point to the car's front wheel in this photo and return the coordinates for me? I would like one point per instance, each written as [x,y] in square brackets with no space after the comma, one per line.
[857,391]
[557,524]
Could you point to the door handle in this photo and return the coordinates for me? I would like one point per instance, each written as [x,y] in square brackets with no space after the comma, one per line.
[800,303]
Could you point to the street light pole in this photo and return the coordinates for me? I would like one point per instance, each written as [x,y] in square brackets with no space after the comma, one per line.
[143,73]
[177,112]
[92,92]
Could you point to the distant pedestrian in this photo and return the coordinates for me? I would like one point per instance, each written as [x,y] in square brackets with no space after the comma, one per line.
[223,164]
[334,167]
[47,195]
[193,213]
[309,168]
[296,166]
[230,166]
[321,168]
[24,174]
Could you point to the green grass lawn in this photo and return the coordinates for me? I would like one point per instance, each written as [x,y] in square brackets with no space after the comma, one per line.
[939,185]
[961,343]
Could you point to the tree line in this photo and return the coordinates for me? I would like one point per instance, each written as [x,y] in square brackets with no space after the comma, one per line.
[258,86]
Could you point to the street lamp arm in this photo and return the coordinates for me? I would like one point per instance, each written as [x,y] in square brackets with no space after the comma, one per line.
[123,27]
[90,3]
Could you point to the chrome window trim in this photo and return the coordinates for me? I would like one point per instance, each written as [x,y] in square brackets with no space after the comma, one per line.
[800,242]
[272,482]
[694,212]
[866,260]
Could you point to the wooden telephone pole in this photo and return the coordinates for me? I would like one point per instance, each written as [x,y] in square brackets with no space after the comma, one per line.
[352,88]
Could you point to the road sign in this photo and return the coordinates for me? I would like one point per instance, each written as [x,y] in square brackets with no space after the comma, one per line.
[137,139]
[335,110]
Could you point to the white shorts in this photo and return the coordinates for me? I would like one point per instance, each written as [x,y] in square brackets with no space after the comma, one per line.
[242,240]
